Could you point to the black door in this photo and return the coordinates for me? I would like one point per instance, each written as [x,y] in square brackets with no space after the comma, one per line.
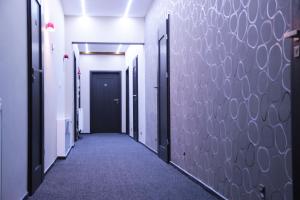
[105,102]
[127,104]
[35,101]
[295,36]
[75,101]
[135,100]
[163,94]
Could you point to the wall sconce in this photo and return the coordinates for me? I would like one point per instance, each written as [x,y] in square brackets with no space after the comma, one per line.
[66,57]
[50,27]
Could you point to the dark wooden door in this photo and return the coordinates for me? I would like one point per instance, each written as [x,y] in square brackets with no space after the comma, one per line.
[127,104]
[295,69]
[35,140]
[105,100]
[76,122]
[135,100]
[163,94]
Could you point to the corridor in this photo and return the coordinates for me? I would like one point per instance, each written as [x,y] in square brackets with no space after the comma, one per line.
[115,167]
[149,99]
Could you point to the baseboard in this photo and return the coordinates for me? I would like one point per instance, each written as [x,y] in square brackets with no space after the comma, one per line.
[26,196]
[196,180]
[50,167]
[149,148]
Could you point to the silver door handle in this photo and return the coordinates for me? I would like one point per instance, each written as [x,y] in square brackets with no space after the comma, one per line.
[37,70]
[292,34]
[134,95]
[116,99]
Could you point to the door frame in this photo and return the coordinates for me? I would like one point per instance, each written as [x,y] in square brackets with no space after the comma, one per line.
[75,99]
[105,72]
[136,136]
[166,23]
[127,102]
[29,90]
[295,98]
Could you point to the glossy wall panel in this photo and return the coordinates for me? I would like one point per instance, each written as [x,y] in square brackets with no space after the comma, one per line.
[230,92]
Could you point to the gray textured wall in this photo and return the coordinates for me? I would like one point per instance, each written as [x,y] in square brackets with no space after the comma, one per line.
[230,93]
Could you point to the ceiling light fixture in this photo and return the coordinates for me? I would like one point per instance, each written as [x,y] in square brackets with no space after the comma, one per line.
[83,7]
[127,8]
[87,48]
[119,49]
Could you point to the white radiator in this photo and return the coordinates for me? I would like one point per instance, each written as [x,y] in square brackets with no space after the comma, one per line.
[80,120]
[64,143]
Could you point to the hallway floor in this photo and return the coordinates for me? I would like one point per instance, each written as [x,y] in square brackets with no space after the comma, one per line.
[115,167]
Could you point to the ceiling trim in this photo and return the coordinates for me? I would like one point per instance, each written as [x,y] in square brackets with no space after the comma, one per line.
[103,53]
[116,43]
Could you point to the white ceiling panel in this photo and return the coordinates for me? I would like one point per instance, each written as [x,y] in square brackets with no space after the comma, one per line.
[106,8]
[100,48]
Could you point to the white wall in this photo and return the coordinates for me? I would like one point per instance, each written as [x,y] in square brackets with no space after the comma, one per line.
[131,53]
[53,77]
[13,91]
[97,29]
[100,63]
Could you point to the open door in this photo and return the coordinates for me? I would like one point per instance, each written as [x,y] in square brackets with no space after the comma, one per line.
[163,93]
[135,100]
[294,35]
[35,98]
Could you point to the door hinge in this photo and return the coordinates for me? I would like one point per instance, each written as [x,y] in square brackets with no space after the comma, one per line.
[167,75]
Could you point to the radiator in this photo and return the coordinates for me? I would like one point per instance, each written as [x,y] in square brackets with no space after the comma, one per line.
[64,143]
[80,120]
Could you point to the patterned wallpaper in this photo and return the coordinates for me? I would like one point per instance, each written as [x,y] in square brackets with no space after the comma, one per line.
[230,93]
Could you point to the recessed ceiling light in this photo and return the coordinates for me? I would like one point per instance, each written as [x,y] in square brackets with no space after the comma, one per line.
[127,8]
[87,48]
[83,7]
[119,49]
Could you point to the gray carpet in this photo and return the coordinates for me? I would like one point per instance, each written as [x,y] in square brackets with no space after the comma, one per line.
[114,167]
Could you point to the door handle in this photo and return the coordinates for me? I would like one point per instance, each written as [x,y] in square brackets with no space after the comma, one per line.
[293,34]
[117,101]
[134,95]
[35,70]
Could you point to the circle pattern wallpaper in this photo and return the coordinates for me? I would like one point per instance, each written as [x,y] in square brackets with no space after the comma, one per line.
[230,93]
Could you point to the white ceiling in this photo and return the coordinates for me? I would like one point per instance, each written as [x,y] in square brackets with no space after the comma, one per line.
[107,8]
[107,48]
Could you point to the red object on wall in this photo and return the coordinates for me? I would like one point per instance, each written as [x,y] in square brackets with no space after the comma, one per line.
[66,56]
[50,27]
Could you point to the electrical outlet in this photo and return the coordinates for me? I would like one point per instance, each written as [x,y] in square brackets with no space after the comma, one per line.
[262,191]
